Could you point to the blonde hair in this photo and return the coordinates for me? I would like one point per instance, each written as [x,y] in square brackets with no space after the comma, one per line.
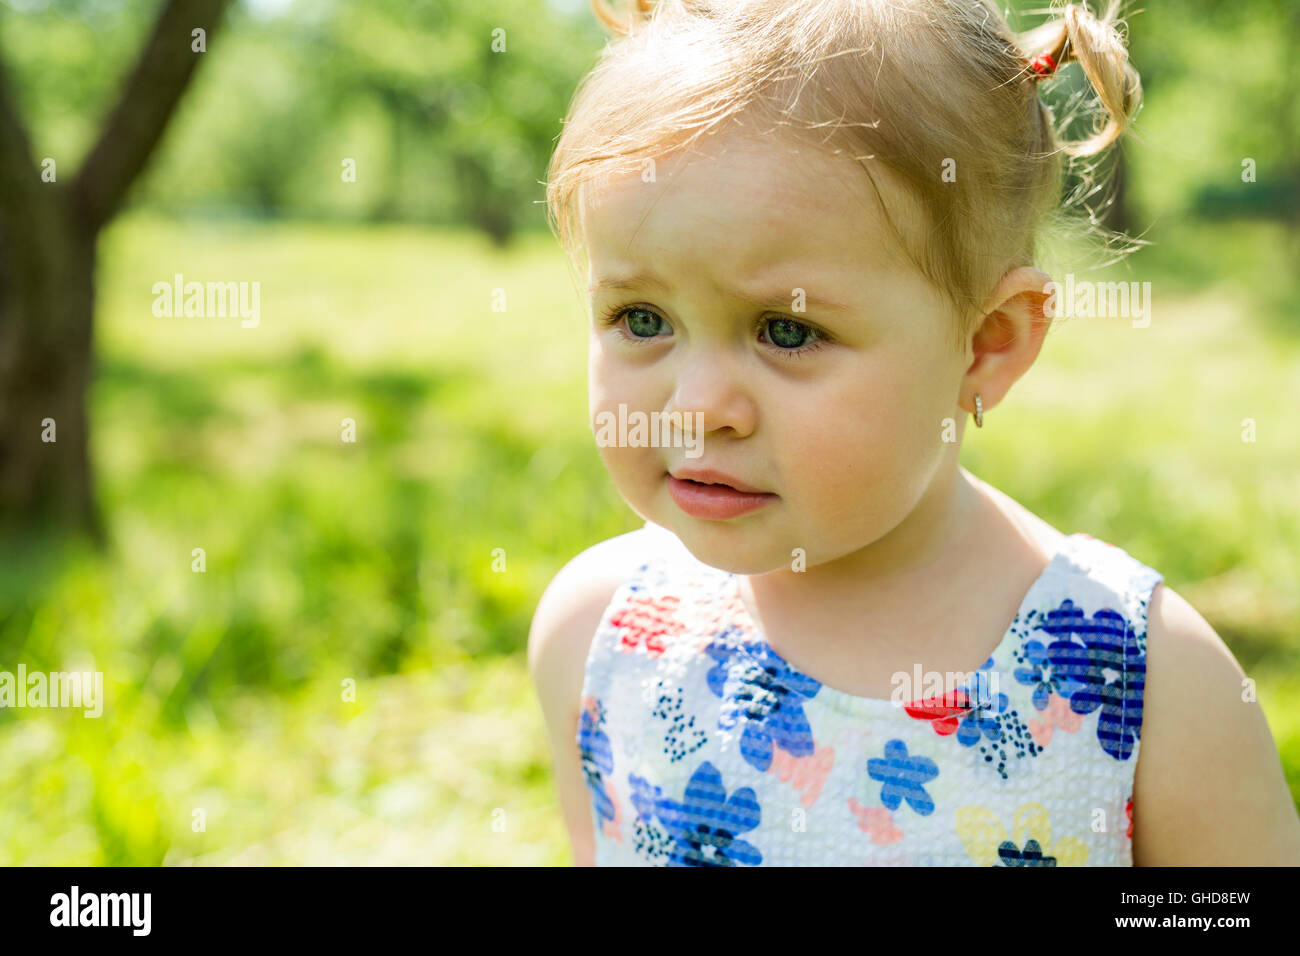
[914,85]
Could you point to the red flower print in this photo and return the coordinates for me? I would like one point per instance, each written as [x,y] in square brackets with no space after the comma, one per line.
[647,620]
[944,713]
[1128,812]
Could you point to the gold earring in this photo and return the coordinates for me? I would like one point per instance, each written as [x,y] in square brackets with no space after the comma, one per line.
[979,412]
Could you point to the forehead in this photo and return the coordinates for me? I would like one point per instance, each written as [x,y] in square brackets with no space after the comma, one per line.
[744,204]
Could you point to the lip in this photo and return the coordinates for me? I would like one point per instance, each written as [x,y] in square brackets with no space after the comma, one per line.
[708,476]
[714,500]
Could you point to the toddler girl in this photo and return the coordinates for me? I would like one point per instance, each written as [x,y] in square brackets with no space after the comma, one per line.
[810,229]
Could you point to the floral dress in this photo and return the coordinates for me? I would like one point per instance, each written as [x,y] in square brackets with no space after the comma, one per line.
[701,746]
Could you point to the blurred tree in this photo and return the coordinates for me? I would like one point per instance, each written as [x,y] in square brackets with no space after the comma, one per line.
[450,111]
[472,94]
[49,225]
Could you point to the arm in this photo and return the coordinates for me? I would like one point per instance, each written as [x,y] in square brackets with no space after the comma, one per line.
[1209,787]
[558,643]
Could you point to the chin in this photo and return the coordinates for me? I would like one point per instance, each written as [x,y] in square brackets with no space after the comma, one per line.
[728,546]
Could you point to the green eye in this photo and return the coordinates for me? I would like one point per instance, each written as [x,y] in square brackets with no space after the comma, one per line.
[789,334]
[643,323]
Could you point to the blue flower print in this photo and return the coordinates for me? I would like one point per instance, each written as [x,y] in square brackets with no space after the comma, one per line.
[997,730]
[1031,855]
[983,703]
[1104,668]
[645,797]
[649,838]
[597,762]
[1039,674]
[904,777]
[761,690]
[705,827]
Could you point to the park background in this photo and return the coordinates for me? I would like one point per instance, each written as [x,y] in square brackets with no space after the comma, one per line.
[372,561]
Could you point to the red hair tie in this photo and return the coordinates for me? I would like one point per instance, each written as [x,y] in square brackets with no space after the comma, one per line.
[1043,64]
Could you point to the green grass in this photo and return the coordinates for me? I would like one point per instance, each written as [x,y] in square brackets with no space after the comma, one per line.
[371,562]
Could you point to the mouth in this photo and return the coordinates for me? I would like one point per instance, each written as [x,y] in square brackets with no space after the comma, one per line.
[707,476]
[714,496]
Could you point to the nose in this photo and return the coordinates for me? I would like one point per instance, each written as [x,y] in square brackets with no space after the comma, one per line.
[710,385]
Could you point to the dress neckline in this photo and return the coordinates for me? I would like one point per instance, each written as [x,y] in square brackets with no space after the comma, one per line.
[854,703]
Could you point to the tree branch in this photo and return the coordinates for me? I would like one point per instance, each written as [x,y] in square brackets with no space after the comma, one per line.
[149,97]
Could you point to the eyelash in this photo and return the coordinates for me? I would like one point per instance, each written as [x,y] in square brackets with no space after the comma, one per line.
[612,316]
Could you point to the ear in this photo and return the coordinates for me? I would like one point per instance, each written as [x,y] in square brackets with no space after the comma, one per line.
[1008,338]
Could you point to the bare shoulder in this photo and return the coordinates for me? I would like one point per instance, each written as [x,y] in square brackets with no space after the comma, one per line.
[559,640]
[571,607]
[1209,788]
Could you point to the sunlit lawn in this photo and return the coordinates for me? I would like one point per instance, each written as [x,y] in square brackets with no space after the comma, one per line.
[227,735]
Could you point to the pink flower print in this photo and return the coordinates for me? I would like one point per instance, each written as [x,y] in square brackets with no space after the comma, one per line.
[611,827]
[807,774]
[877,822]
[647,621]
[1057,713]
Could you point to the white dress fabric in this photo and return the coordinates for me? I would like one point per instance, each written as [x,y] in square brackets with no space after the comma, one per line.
[701,746]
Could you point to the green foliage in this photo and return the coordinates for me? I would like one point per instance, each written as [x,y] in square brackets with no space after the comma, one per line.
[448,109]
[1219,82]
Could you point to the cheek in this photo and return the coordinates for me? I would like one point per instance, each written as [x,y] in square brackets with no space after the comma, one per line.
[606,390]
[599,377]
[612,379]
[638,476]
[865,451]
[611,383]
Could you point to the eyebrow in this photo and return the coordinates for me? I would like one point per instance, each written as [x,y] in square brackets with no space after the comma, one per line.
[643,280]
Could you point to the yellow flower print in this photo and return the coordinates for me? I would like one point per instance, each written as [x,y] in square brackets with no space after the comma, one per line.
[1030,842]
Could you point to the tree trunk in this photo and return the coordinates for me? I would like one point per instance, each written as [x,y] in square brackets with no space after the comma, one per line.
[46,366]
[48,233]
